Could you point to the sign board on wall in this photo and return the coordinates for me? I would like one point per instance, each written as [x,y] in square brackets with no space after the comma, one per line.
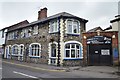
[99,40]
[105,52]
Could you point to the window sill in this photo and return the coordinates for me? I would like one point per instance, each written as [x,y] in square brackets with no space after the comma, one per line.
[76,34]
[53,57]
[53,32]
[73,58]
[15,55]
[34,56]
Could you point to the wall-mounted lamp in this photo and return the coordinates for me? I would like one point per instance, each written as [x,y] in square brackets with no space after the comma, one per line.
[98,32]
[113,36]
[84,37]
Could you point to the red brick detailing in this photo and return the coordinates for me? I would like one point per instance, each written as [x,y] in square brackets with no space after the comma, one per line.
[92,34]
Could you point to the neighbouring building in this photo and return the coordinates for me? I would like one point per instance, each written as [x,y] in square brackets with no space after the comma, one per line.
[116,27]
[55,40]
[100,47]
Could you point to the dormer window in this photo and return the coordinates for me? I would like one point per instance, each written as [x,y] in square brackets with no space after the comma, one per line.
[73,27]
[53,26]
[35,29]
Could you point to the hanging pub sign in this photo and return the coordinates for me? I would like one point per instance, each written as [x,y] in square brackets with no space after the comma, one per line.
[99,40]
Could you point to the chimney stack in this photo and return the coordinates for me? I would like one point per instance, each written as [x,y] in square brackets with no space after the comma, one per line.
[42,13]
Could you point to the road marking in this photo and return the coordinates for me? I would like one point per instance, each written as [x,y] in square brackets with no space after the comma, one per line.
[24,74]
[38,68]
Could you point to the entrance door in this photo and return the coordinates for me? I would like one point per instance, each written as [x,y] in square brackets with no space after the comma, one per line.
[99,54]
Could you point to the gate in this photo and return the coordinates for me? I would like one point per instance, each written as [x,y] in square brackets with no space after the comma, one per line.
[99,51]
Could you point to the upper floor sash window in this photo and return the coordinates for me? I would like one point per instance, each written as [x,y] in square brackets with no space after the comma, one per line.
[73,27]
[54,26]
[35,29]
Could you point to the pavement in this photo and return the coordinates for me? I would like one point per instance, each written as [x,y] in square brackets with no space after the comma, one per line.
[99,69]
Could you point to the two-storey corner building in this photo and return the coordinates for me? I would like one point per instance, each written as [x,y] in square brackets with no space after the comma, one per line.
[55,40]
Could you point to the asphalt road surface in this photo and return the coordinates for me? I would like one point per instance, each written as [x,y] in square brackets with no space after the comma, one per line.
[15,71]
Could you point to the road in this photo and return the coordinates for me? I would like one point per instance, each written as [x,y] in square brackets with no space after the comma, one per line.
[15,71]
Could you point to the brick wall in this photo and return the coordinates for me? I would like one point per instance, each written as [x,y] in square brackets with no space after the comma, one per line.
[112,34]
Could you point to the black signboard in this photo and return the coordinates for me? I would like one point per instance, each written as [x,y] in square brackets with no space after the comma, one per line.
[99,40]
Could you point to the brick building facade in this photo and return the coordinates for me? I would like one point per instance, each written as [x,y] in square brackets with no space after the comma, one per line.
[100,48]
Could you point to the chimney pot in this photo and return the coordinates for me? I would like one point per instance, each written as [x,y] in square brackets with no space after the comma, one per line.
[42,13]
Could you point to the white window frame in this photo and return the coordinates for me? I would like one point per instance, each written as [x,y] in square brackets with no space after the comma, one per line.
[80,50]
[53,60]
[51,48]
[7,50]
[72,20]
[30,47]
[18,50]
[35,30]
[52,27]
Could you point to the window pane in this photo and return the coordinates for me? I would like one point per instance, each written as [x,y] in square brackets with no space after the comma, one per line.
[77,46]
[51,26]
[69,26]
[53,50]
[73,53]
[67,53]
[78,54]
[75,27]
[38,52]
[72,45]
[55,26]
[67,46]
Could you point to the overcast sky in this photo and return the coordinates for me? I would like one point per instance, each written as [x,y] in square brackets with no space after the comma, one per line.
[98,12]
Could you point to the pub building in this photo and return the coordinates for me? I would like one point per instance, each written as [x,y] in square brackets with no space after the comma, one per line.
[100,47]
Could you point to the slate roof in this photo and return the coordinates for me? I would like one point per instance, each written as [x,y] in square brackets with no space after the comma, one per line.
[108,28]
[62,14]
[95,29]
[18,25]
[118,19]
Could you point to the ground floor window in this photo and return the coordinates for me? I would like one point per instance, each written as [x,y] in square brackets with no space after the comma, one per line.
[73,49]
[53,52]
[35,50]
[8,51]
[15,49]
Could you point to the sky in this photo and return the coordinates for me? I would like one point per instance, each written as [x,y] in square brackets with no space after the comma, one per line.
[97,12]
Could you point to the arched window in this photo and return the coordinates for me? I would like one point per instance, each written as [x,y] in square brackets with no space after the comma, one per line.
[53,53]
[8,51]
[53,50]
[73,49]
[35,50]
[15,49]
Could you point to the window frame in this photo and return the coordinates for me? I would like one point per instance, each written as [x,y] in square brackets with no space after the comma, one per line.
[35,29]
[67,29]
[8,50]
[51,49]
[76,54]
[17,50]
[52,29]
[30,50]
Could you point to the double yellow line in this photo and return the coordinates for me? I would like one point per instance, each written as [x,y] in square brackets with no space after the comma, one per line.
[37,68]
